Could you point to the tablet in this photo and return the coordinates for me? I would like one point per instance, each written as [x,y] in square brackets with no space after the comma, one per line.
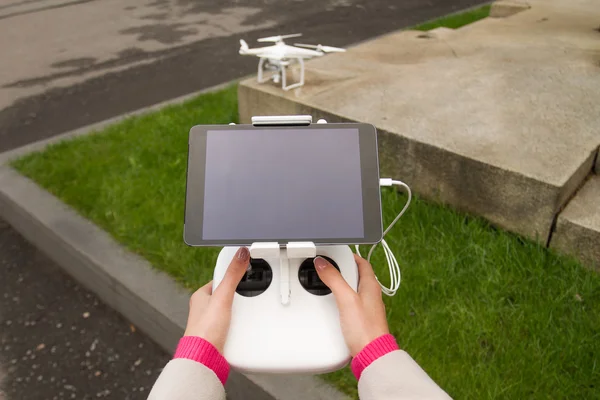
[317,183]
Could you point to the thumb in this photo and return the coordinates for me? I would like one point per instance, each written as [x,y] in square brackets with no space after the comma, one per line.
[236,270]
[333,279]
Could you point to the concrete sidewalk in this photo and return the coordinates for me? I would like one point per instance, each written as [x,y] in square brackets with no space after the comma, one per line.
[500,118]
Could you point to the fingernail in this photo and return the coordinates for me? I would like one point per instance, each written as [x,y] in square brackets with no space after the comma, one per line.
[243,253]
[320,263]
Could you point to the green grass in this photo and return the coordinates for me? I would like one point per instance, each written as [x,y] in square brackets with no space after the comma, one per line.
[456,20]
[487,314]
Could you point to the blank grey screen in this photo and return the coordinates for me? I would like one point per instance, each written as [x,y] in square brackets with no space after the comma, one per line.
[283,184]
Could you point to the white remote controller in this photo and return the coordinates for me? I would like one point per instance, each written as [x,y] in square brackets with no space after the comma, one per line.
[284,319]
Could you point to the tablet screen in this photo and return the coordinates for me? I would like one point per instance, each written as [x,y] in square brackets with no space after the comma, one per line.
[312,183]
[282,183]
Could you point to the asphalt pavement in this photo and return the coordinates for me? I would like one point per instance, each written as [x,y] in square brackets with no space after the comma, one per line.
[67,64]
[58,341]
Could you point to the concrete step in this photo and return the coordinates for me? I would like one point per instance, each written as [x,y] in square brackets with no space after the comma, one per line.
[402,47]
[555,26]
[578,226]
[495,120]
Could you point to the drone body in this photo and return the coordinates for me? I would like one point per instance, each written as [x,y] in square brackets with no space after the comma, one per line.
[277,57]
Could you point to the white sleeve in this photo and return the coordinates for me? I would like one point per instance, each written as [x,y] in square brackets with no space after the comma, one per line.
[397,376]
[184,379]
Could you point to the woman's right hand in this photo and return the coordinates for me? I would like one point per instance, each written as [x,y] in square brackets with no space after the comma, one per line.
[362,314]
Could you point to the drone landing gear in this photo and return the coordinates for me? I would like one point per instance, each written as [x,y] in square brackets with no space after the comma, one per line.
[280,72]
[261,68]
[283,75]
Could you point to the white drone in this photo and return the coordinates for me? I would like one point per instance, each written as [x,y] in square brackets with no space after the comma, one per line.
[280,55]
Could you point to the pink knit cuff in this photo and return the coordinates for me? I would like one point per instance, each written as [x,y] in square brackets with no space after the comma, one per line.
[377,348]
[197,349]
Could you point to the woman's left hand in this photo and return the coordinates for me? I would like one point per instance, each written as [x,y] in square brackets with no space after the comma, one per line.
[210,313]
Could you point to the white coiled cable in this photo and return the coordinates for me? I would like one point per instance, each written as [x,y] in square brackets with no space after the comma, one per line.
[394,267]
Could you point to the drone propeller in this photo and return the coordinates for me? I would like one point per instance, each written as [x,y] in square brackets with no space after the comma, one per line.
[324,49]
[278,38]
